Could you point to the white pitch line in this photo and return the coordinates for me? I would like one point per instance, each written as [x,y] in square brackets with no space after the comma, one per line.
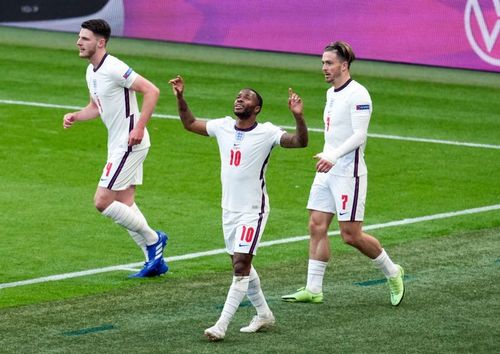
[318,130]
[130,269]
[127,267]
[434,141]
[39,104]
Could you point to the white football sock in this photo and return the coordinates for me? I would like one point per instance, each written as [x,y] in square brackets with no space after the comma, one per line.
[137,237]
[236,294]
[315,273]
[125,216]
[384,263]
[255,294]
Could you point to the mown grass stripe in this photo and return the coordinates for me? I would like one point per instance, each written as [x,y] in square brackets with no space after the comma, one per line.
[123,267]
[312,129]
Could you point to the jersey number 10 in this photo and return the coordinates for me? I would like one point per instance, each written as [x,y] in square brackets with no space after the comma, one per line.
[235,158]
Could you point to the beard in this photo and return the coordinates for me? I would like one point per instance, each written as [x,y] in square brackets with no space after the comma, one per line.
[89,53]
[244,114]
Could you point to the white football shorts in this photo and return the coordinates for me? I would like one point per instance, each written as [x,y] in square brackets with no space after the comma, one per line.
[344,196]
[123,169]
[242,231]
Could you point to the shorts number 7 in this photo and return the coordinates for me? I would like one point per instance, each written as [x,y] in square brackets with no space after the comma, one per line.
[344,201]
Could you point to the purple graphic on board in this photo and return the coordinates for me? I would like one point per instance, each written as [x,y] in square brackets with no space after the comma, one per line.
[432,32]
[450,33]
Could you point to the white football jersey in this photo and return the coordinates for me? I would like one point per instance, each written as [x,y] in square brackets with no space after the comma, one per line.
[346,106]
[109,86]
[244,157]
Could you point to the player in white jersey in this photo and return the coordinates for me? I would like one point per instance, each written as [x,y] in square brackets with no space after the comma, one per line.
[340,183]
[245,147]
[112,85]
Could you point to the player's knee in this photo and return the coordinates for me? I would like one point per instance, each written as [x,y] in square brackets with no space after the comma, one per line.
[100,208]
[349,237]
[241,268]
[100,204]
[317,228]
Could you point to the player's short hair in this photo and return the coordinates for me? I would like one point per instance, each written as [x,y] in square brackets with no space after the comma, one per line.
[343,50]
[260,101]
[98,27]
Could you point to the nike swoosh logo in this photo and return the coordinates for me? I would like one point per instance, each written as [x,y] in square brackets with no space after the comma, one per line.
[343,213]
[240,245]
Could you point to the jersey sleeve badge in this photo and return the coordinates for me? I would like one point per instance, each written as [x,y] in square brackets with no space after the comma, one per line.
[127,73]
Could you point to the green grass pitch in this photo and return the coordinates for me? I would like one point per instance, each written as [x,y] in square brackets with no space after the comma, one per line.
[49,225]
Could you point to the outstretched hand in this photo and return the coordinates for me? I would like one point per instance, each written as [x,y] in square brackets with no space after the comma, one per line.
[177,86]
[295,103]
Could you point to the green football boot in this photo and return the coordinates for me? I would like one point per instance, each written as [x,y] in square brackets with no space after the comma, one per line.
[304,295]
[397,287]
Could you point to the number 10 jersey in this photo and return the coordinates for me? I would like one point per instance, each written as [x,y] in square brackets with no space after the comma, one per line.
[244,157]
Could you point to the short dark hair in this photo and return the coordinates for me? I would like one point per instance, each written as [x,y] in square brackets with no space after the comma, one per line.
[260,101]
[343,50]
[99,27]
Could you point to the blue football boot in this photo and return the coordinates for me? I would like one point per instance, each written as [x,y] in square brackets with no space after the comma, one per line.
[156,264]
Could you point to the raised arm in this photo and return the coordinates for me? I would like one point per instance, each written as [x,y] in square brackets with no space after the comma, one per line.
[300,138]
[150,95]
[188,120]
[90,111]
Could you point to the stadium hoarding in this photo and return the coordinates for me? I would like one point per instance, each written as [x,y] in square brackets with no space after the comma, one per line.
[449,33]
